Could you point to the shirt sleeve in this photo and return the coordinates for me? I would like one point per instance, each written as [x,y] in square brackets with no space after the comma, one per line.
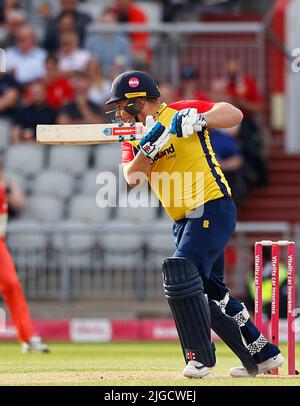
[127,152]
[202,106]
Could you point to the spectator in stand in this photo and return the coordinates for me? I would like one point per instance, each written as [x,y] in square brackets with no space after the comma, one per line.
[243,93]
[9,95]
[82,20]
[65,22]
[108,47]
[127,11]
[28,117]
[218,90]
[229,156]
[167,93]
[99,87]
[26,61]
[59,90]
[41,10]
[183,10]
[14,20]
[118,67]
[81,110]
[7,5]
[71,58]
[2,12]
[227,151]
[243,90]
[189,86]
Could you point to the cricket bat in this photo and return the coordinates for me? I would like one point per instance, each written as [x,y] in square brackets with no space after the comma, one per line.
[84,134]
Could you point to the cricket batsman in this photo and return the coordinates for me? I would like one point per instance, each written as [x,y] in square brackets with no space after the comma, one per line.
[177,141]
[11,288]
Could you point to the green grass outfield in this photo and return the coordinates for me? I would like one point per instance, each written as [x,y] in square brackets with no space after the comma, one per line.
[118,364]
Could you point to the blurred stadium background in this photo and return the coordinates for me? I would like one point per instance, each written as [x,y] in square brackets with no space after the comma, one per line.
[87,264]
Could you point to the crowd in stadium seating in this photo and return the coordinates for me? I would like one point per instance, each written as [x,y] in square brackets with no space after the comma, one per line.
[65,73]
[59,72]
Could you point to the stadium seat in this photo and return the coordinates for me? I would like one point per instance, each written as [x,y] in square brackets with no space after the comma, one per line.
[28,246]
[44,209]
[142,214]
[78,236]
[26,234]
[120,226]
[84,208]
[91,185]
[107,157]
[160,246]
[71,159]
[87,184]
[18,179]
[54,183]
[121,251]
[77,243]
[26,159]
[164,216]
[5,130]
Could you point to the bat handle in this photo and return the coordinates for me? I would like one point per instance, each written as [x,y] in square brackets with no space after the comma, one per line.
[198,127]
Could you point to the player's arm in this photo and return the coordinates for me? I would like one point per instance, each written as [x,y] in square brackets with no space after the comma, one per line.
[204,114]
[9,99]
[231,164]
[223,115]
[135,171]
[156,137]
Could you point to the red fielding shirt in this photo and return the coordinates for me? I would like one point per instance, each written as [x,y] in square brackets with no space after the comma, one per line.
[245,88]
[59,93]
[139,39]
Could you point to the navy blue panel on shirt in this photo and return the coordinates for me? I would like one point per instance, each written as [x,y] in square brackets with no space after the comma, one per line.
[221,185]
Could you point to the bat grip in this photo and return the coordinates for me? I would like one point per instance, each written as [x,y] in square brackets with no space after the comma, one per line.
[198,127]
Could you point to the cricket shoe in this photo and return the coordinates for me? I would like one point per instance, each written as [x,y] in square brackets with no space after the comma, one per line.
[264,367]
[195,369]
[35,345]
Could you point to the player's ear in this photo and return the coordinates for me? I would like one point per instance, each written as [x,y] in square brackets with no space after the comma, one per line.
[140,103]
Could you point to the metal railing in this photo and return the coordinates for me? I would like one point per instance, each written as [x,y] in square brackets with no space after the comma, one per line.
[64,262]
[205,45]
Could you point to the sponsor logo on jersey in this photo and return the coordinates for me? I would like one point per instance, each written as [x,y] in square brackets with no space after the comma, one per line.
[167,152]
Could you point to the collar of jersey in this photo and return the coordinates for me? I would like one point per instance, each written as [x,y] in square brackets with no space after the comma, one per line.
[159,111]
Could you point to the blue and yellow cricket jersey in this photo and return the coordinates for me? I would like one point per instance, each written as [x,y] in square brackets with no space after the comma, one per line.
[185,174]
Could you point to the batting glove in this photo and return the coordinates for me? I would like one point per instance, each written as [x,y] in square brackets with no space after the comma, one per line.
[186,122]
[157,136]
